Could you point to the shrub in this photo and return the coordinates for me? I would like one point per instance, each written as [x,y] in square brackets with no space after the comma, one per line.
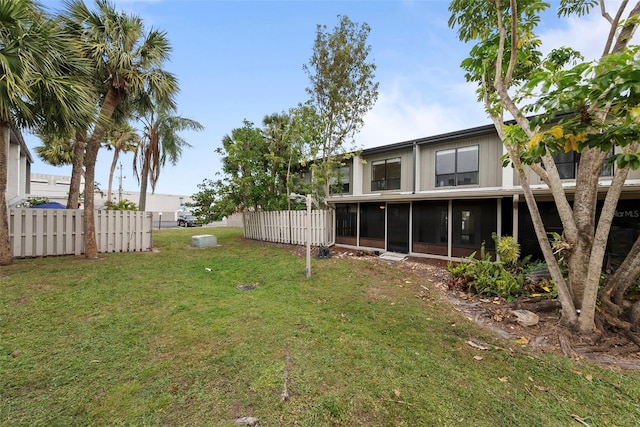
[484,276]
[34,201]
[122,205]
[507,248]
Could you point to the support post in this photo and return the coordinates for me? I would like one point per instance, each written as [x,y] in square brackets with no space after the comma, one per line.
[308,271]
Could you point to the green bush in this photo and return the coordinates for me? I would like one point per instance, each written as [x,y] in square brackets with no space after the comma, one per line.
[484,276]
[507,248]
[34,201]
[122,205]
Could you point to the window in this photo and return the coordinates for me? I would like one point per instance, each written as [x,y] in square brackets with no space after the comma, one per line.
[385,174]
[607,168]
[372,220]
[567,163]
[457,166]
[340,182]
[431,227]
[346,219]
[473,222]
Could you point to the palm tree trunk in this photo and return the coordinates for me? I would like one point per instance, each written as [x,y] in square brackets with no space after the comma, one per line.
[114,162]
[6,256]
[144,179]
[93,146]
[73,200]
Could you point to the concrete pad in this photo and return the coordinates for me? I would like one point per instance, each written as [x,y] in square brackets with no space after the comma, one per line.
[204,241]
[393,256]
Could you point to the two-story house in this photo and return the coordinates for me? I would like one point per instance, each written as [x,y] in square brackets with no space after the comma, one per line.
[443,196]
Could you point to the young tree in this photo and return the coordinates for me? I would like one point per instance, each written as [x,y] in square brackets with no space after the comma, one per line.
[42,85]
[342,91]
[598,101]
[126,62]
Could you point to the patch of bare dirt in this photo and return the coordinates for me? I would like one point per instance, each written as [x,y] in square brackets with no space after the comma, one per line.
[497,315]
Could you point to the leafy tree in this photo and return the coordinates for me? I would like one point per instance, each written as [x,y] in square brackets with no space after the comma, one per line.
[42,85]
[160,141]
[260,168]
[599,105]
[342,91]
[126,62]
[245,160]
[208,203]
[283,136]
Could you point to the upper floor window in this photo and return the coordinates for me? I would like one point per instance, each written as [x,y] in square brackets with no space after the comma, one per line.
[340,182]
[385,174]
[457,166]
[567,165]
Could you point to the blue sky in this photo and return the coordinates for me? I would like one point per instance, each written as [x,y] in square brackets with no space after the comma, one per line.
[243,59]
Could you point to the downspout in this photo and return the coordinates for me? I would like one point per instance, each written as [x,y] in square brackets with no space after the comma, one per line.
[415,167]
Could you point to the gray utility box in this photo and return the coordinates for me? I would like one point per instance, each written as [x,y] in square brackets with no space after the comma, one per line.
[204,241]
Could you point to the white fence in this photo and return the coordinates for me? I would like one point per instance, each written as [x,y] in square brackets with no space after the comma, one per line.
[290,227]
[52,232]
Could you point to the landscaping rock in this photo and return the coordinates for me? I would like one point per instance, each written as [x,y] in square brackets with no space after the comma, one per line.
[526,317]
[247,421]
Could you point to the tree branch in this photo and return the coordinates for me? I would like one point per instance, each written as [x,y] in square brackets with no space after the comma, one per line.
[514,43]
[628,29]
[613,22]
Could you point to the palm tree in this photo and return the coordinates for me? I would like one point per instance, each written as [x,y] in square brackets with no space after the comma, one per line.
[127,61]
[58,151]
[160,142]
[55,150]
[123,139]
[42,85]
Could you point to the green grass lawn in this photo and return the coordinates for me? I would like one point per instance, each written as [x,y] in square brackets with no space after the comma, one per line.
[157,339]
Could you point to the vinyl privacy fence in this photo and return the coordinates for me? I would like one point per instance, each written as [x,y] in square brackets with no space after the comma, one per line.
[52,232]
[290,227]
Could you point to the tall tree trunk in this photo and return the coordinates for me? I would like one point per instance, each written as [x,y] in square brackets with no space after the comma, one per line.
[93,146]
[6,256]
[569,315]
[114,163]
[73,199]
[584,216]
[625,275]
[144,179]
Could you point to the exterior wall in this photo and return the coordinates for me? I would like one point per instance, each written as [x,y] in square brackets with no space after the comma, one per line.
[634,174]
[18,168]
[489,165]
[56,188]
[406,176]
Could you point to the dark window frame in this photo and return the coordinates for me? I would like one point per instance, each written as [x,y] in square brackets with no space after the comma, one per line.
[341,182]
[607,169]
[386,182]
[457,177]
